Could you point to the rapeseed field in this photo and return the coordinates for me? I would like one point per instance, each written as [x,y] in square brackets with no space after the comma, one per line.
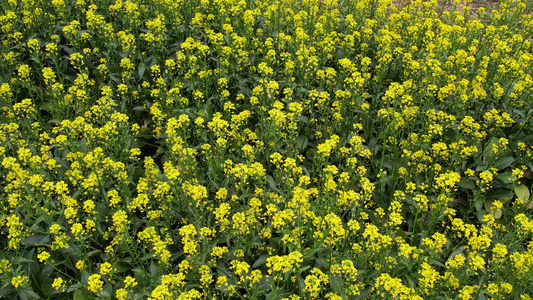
[268,149]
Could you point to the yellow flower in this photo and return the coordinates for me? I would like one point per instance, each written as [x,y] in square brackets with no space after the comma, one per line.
[58,283]
[77,229]
[129,282]
[448,180]
[456,262]
[80,264]
[89,206]
[188,233]
[312,285]
[436,242]
[19,281]
[95,283]
[328,146]
[283,264]
[122,294]
[105,268]
[475,262]
[4,266]
[15,231]
[429,277]
[467,291]
[43,256]
[394,287]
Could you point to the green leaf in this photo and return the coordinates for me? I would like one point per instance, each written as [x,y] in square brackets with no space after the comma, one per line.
[153,269]
[28,293]
[75,287]
[480,214]
[22,295]
[481,296]
[266,283]
[366,292]
[142,69]
[336,283]
[468,184]
[20,260]
[260,261]
[147,256]
[497,213]
[46,271]
[271,182]
[94,252]
[107,290]
[46,287]
[503,195]
[37,240]
[302,142]
[84,276]
[301,270]
[506,177]
[82,294]
[530,203]
[503,163]
[222,270]
[436,262]
[522,192]
[458,251]
[140,273]
[322,263]
[399,233]
[410,282]
[123,267]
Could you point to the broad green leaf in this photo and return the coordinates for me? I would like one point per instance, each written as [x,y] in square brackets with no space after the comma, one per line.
[107,291]
[436,262]
[322,263]
[37,240]
[266,283]
[94,253]
[480,214]
[497,213]
[147,256]
[487,151]
[20,260]
[503,163]
[223,271]
[271,182]
[410,282]
[399,233]
[22,295]
[142,69]
[468,184]
[503,195]
[302,142]
[82,294]
[122,267]
[153,269]
[75,287]
[522,192]
[46,271]
[304,269]
[336,283]
[260,261]
[506,177]
[29,294]
[46,287]
[481,296]
[458,251]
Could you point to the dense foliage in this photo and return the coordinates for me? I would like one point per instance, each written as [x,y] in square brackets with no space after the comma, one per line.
[310,149]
